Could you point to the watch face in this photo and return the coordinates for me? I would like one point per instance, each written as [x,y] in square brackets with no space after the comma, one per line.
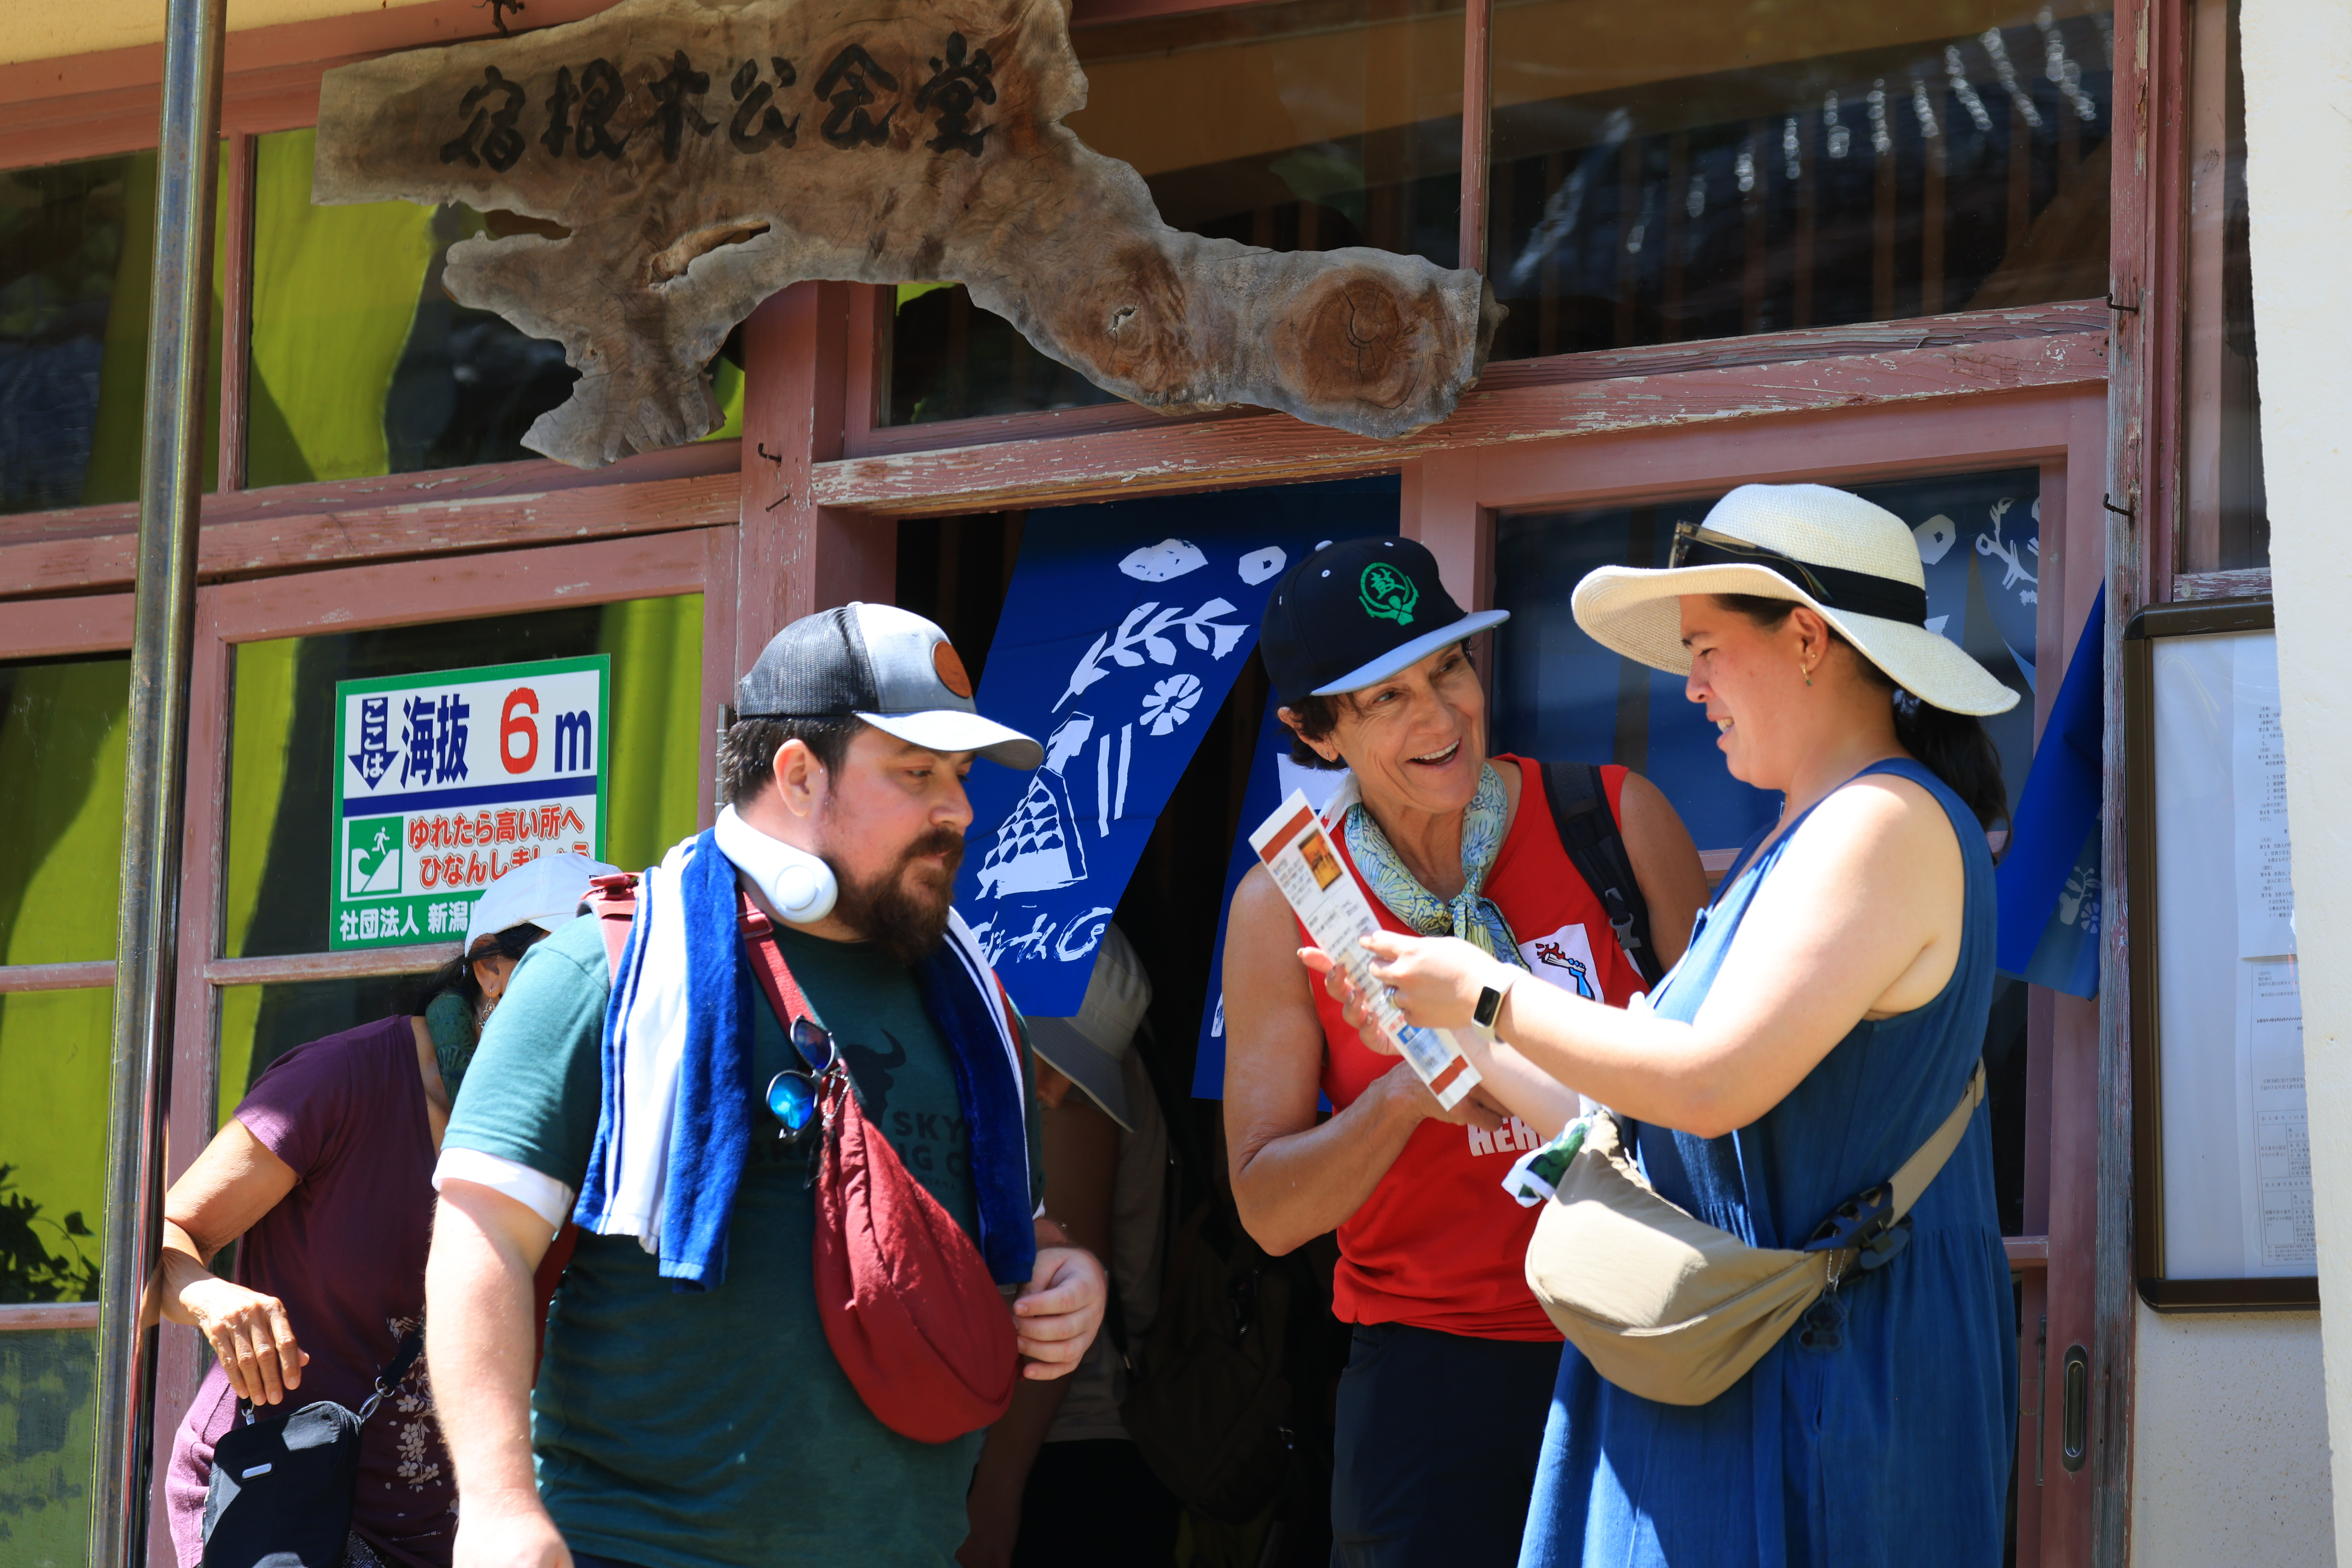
[1490,1002]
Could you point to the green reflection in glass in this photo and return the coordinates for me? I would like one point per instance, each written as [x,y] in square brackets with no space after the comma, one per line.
[63,729]
[48,1380]
[281,744]
[362,363]
[55,1047]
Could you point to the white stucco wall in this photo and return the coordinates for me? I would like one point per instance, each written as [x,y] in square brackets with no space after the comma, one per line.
[2298,72]
[2229,1443]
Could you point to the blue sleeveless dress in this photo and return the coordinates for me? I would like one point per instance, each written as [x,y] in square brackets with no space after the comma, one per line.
[1887,1439]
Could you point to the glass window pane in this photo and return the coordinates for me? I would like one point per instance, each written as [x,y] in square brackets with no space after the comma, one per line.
[261,1023]
[64,727]
[48,1392]
[1303,126]
[55,1051]
[361,364]
[1558,693]
[281,788]
[77,261]
[2227,526]
[1734,166]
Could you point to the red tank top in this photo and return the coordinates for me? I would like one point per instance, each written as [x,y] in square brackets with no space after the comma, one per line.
[1438,1245]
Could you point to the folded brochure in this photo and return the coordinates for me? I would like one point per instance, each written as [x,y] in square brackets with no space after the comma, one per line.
[1332,906]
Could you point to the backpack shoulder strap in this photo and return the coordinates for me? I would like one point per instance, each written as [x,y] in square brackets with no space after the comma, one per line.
[1595,843]
[768,966]
[613,899]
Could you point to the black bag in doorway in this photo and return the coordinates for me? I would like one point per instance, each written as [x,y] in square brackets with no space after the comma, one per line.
[281,1491]
[1209,1407]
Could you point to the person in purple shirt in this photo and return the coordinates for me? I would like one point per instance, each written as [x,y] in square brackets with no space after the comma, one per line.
[326,1174]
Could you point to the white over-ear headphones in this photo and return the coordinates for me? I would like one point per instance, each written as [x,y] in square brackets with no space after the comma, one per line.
[801,886]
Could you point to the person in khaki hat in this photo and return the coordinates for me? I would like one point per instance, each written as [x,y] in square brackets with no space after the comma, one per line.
[1827,1017]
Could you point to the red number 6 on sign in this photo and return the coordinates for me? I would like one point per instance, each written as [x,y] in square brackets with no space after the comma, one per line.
[514,722]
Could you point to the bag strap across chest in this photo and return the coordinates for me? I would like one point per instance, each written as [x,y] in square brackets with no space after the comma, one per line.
[1589,831]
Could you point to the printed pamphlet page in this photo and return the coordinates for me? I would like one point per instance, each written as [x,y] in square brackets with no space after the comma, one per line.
[1336,912]
[2274,1144]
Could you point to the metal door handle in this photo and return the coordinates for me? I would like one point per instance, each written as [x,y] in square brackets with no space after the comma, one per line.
[2074,1416]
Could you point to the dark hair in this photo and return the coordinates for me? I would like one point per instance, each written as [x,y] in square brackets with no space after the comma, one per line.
[1319,716]
[458,975]
[1952,746]
[746,751]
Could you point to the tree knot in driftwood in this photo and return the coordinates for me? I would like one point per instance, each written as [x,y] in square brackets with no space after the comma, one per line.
[690,158]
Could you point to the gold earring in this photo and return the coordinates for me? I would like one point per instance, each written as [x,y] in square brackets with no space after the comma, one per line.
[1808,671]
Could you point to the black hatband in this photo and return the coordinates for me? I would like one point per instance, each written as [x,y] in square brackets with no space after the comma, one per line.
[1857,592]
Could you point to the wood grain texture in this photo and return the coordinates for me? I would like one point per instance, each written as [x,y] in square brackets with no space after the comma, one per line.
[1228,453]
[33,562]
[701,156]
[2066,317]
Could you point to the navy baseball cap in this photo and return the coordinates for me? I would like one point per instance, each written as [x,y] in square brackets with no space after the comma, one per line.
[886,666]
[1356,612]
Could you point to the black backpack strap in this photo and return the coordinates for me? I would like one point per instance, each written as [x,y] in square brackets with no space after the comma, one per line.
[412,1344]
[1596,846]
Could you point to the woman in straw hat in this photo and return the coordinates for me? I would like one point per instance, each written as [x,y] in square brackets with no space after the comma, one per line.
[1825,1020]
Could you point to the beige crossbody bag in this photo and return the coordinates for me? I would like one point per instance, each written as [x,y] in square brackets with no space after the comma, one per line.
[1668,1307]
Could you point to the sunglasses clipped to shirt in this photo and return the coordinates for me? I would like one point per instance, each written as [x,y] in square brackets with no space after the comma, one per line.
[796,1093]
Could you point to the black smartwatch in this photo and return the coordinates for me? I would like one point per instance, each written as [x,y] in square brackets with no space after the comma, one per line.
[1490,1003]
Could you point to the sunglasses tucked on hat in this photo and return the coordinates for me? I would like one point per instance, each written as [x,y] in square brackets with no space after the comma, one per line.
[1090,1049]
[886,666]
[1855,562]
[544,893]
[1356,612]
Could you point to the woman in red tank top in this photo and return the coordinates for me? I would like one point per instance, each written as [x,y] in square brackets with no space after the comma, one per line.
[1442,1407]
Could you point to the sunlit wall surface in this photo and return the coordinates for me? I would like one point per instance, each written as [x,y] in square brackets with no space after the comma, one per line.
[1720,167]
[1305,126]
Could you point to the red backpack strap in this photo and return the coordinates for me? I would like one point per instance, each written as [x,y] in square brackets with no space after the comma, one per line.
[613,899]
[768,964]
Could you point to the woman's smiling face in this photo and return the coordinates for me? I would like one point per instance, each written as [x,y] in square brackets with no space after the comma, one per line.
[1417,740]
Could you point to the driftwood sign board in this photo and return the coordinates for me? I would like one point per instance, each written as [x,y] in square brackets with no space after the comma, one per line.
[703,156]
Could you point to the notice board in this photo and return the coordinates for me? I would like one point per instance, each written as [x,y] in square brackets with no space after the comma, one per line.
[2222,1155]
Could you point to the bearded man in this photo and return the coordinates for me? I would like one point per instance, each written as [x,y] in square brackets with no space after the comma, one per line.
[689,1413]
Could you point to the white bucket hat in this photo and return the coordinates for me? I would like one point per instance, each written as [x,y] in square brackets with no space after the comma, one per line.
[1853,561]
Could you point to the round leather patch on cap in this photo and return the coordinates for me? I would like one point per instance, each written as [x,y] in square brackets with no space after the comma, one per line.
[950,669]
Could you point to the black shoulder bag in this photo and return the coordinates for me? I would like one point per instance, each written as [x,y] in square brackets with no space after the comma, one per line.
[281,1491]
[1596,846]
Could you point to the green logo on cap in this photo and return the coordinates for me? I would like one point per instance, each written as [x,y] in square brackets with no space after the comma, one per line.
[1388,595]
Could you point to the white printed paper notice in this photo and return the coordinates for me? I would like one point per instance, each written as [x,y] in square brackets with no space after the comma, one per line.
[1337,915]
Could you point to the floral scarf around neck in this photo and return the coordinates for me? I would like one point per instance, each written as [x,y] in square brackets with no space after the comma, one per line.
[1472,916]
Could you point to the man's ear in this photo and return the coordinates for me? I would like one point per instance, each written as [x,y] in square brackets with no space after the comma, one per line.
[800,778]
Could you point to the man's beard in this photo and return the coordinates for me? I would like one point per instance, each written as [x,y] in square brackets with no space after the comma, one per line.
[904,920]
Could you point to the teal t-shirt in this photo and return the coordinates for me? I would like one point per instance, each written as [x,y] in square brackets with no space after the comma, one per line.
[685,1429]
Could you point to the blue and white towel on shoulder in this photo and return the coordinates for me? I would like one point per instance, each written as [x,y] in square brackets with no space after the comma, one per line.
[677,1105]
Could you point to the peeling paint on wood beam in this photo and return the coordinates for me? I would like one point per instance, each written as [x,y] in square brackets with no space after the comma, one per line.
[1272,448]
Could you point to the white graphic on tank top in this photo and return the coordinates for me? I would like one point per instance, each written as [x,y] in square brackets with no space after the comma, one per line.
[1565,958]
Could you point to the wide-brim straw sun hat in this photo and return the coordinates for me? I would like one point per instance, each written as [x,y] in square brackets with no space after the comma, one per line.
[1853,561]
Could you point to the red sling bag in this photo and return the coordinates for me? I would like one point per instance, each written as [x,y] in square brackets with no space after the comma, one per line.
[908,1305]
